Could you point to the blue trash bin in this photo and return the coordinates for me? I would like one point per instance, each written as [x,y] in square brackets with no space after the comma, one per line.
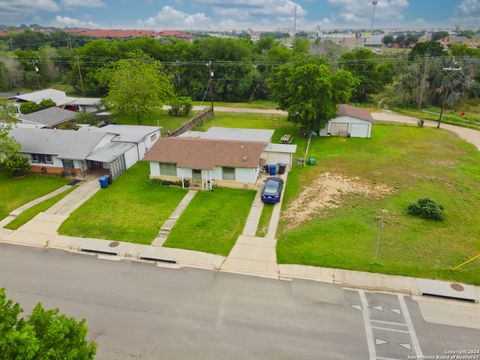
[103,182]
[272,169]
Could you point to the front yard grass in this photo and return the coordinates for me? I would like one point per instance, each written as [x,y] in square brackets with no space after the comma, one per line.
[212,221]
[413,163]
[17,192]
[29,214]
[131,209]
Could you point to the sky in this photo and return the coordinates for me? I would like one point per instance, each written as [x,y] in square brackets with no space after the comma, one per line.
[265,15]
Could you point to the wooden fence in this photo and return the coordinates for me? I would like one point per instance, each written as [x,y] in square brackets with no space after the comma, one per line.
[192,122]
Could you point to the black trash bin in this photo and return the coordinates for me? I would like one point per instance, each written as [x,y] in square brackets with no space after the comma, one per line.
[281,168]
[186,183]
[110,179]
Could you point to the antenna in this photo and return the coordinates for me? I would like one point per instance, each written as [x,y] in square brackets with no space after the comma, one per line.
[374,3]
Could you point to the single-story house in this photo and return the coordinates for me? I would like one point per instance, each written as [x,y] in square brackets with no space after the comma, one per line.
[205,162]
[91,105]
[351,121]
[143,136]
[78,153]
[47,118]
[272,153]
[59,97]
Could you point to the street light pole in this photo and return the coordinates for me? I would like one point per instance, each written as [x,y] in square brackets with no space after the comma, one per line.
[374,3]
[445,92]
[210,84]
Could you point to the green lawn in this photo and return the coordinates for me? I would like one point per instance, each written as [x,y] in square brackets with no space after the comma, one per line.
[264,222]
[17,192]
[29,214]
[213,221]
[160,118]
[413,163]
[131,209]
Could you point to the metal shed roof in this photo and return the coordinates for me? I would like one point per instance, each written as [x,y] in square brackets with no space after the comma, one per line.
[223,133]
[281,148]
[109,152]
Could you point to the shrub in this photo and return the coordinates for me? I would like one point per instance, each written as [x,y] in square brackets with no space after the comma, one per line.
[427,209]
[86,118]
[28,107]
[17,164]
[181,106]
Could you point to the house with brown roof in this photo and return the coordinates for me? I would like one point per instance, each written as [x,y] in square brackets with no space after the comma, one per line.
[351,121]
[204,162]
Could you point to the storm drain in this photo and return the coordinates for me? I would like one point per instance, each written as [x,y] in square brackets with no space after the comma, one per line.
[447,290]
[158,259]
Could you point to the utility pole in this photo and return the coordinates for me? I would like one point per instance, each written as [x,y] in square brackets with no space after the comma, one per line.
[36,70]
[294,23]
[210,84]
[374,3]
[445,92]
[78,67]
[423,83]
[11,44]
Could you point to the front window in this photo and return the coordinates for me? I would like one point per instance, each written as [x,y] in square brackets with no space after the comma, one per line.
[228,173]
[41,159]
[168,169]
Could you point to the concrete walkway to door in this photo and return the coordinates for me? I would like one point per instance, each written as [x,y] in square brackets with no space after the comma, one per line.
[172,219]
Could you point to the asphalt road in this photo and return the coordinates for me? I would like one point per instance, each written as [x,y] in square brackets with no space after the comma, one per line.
[140,311]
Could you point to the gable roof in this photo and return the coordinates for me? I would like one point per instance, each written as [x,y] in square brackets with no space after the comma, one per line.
[59,97]
[353,111]
[66,144]
[195,153]
[49,117]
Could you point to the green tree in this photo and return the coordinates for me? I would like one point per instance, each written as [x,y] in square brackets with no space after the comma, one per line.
[439,35]
[311,92]
[28,107]
[44,334]
[86,118]
[429,48]
[137,86]
[362,64]
[388,39]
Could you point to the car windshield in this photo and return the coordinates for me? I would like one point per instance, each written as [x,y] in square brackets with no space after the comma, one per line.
[271,188]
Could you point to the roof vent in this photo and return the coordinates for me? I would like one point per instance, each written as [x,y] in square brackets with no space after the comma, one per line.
[241,146]
[244,159]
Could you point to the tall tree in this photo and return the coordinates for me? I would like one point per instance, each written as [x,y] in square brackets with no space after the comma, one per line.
[137,86]
[311,92]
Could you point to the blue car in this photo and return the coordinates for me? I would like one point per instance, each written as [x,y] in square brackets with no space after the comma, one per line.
[272,190]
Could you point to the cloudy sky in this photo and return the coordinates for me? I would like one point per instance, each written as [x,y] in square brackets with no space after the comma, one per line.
[239,14]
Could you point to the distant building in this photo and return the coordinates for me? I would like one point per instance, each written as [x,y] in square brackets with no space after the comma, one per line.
[128,34]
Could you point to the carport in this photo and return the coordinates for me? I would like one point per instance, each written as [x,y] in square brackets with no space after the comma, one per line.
[114,157]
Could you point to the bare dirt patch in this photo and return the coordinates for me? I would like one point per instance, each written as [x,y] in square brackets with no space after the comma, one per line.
[326,193]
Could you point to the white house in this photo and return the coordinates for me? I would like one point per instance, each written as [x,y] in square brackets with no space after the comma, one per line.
[204,162]
[272,153]
[351,121]
[78,153]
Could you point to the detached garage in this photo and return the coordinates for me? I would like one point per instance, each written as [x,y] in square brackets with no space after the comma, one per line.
[351,121]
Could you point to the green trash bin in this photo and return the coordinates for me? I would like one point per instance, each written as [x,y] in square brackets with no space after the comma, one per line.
[312,160]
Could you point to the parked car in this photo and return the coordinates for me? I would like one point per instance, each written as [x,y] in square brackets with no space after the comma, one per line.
[272,190]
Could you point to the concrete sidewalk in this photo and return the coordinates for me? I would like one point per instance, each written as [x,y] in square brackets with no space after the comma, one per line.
[32,203]
[172,219]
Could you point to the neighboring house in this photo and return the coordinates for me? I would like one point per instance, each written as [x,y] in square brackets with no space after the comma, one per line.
[78,153]
[91,105]
[351,121]
[60,98]
[142,136]
[272,153]
[205,162]
[47,118]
